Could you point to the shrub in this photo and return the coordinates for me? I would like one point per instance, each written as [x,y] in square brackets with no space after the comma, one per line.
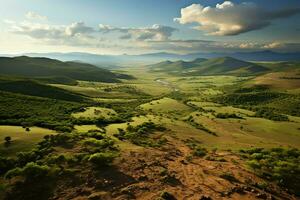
[277,164]
[7,139]
[199,151]
[101,144]
[102,159]
[140,135]
[30,171]
[6,164]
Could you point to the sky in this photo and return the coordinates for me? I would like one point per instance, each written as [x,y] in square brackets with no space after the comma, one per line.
[148,26]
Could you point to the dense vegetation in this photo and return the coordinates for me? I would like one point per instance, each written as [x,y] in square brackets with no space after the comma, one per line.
[267,104]
[276,164]
[17,109]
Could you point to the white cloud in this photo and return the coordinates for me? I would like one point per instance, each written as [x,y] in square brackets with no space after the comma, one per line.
[156,37]
[155,32]
[35,16]
[273,45]
[75,34]
[78,28]
[231,19]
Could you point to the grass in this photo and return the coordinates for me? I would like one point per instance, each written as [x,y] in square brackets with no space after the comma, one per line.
[165,105]
[95,112]
[279,80]
[85,128]
[232,133]
[22,140]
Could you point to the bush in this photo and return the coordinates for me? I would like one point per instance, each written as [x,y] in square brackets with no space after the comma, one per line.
[277,164]
[100,144]
[30,171]
[7,139]
[6,164]
[102,159]
[140,135]
[200,152]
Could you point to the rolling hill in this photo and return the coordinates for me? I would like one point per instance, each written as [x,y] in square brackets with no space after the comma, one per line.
[44,67]
[33,88]
[214,66]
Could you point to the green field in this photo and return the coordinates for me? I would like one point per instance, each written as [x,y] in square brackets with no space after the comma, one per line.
[164,105]
[95,112]
[21,140]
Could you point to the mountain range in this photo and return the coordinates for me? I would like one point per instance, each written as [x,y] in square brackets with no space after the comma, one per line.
[114,61]
[213,66]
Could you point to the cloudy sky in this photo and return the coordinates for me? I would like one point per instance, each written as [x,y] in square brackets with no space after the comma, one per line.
[144,26]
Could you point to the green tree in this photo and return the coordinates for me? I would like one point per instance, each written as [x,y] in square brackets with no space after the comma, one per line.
[7,139]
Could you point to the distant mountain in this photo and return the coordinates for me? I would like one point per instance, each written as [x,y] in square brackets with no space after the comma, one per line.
[115,61]
[251,56]
[177,66]
[45,67]
[214,66]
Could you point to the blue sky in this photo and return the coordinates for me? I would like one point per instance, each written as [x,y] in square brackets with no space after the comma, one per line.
[141,26]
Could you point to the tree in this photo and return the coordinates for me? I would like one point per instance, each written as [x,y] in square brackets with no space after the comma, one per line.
[7,139]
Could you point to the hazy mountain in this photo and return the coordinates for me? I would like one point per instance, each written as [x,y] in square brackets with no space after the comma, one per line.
[115,61]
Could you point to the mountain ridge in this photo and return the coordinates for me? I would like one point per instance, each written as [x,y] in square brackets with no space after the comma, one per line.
[213,66]
[112,61]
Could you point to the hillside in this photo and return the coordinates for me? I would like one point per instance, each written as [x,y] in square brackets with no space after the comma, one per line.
[33,88]
[214,66]
[45,67]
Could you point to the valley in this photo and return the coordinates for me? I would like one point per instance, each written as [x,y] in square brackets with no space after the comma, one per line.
[153,134]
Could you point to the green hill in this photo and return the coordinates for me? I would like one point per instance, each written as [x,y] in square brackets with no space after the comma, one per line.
[177,65]
[45,67]
[33,88]
[214,66]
